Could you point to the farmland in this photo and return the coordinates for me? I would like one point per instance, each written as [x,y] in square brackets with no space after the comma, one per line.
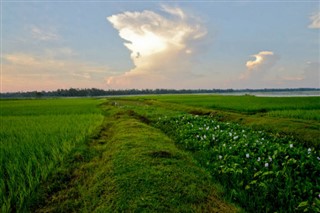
[161,153]
[35,136]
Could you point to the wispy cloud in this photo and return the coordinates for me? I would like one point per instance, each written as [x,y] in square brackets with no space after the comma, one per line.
[256,68]
[44,34]
[21,71]
[315,21]
[161,47]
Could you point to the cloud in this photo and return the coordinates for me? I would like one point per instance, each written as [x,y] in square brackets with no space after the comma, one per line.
[25,72]
[315,21]
[44,34]
[161,47]
[258,67]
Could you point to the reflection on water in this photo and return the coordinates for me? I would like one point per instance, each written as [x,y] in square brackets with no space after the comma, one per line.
[278,94]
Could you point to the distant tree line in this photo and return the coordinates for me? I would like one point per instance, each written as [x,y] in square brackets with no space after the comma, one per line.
[93,92]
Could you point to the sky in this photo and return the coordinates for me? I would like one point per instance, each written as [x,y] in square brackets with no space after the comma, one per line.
[49,45]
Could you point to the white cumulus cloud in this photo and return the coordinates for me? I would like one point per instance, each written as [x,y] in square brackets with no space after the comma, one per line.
[161,46]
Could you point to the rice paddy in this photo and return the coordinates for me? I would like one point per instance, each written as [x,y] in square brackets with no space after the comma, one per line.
[258,153]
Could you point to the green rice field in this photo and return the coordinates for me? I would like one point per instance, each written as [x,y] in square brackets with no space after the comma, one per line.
[199,153]
[35,136]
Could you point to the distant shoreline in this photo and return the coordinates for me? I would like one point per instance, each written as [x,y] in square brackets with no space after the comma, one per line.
[93,92]
[277,94]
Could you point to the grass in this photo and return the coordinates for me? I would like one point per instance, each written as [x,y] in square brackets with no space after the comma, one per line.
[251,165]
[35,136]
[243,104]
[296,116]
[312,114]
[138,169]
[262,170]
[160,154]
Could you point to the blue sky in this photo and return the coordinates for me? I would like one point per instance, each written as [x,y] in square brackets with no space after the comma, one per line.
[48,45]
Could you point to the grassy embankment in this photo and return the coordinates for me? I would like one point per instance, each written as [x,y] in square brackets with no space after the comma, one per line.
[137,168]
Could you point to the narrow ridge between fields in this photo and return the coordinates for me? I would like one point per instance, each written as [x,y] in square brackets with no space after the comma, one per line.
[131,166]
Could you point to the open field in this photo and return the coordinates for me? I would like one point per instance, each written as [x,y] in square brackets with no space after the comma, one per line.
[296,116]
[246,104]
[161,153]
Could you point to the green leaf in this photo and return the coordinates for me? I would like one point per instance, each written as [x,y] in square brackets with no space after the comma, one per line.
[303,204]
[267,173]
[257,174]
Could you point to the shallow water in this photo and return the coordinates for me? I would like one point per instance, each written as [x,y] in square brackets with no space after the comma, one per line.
[277,94]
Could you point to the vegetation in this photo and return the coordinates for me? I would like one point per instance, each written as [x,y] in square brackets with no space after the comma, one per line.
[138,168]
[259,170]
[160,153]
[35,136]
[244,104]
[296,116]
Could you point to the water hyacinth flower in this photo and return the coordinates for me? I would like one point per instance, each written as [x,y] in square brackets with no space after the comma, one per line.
[258,159]
[291,145]
[318,158]
[266,165]
[309,150]
[247,155]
